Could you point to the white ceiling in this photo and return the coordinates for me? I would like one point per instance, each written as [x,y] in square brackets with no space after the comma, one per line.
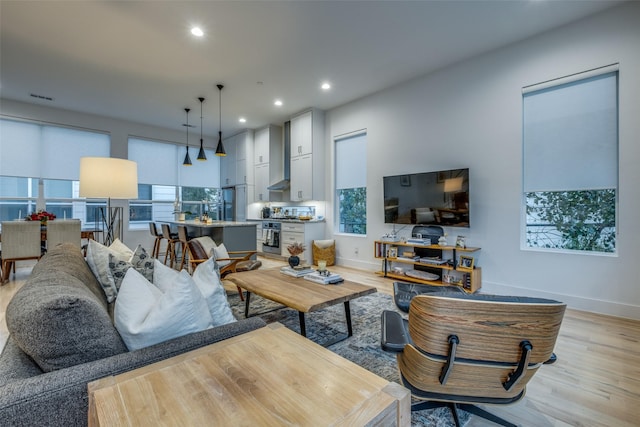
[137,60]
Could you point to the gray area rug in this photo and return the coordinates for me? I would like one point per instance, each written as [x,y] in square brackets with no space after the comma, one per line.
[363,348]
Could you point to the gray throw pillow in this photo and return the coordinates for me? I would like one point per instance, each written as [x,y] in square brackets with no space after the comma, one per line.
[140,261]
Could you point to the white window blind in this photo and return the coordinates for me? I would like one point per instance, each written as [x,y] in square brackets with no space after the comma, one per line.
[161,164]
[571,135]
[43,151]
[351,162]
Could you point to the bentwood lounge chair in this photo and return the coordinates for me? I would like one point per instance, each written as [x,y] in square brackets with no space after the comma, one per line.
[458,350]
[21,240]
[202,248]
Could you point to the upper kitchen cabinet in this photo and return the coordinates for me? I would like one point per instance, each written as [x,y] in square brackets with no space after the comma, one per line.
[244,154]
[307,156]
[267,160]
[235,168]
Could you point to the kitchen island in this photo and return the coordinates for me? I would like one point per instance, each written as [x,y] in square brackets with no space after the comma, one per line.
[236,236]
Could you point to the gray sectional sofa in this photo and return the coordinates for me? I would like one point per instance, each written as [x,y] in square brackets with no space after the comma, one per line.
[62,337]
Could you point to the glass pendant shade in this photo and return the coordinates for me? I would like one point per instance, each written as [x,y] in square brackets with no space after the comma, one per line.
[201,154]
[220,148]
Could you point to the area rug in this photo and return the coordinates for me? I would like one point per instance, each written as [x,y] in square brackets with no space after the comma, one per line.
[363,348]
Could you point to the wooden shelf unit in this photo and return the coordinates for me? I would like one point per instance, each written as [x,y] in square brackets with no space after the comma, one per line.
[469,279]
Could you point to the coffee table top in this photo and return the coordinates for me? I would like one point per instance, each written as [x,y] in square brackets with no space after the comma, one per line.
[296,292]
[269,376]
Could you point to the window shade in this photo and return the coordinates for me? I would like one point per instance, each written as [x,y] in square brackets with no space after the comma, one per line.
[43,151]
[160,163]
[571,135]
[351,162]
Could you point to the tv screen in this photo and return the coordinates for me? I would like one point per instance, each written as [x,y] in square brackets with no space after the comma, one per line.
[430,198]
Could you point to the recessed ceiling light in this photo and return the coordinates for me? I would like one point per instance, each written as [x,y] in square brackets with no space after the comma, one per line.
[277,103]
[197,31]
[242,120]
[325,86]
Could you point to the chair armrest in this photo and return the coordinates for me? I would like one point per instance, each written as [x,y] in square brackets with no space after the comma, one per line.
[394,333]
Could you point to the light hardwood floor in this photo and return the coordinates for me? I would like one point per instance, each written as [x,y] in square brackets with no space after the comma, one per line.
[596,381]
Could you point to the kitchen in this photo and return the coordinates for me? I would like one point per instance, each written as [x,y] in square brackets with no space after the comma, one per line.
[271,175]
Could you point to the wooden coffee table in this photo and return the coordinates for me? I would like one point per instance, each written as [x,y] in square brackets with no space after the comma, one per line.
[269,376]
[298,293]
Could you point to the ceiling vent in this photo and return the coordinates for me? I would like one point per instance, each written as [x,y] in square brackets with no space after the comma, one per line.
[45,98]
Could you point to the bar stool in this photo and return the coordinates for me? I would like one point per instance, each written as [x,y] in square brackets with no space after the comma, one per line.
[153,229]
[172,238]
[183,238]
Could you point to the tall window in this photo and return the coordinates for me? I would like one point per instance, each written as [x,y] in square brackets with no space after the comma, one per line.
[351,183]
[166,186]
[40,167]
[570,139]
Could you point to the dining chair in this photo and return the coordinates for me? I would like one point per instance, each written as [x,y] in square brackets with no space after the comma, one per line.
[172,239]
[21,240]
[62,231]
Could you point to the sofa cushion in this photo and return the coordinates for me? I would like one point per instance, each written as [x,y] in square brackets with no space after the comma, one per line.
[146,314]
[140,260]
[59,317]
[207,278]
[15,364]
[98,260]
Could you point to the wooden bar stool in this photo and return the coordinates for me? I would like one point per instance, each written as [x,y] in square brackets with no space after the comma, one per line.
[153,229]
[183,238]
[172,238]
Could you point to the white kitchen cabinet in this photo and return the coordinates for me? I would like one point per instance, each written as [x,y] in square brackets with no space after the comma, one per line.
[302,134]
[301,183]
[301,232]
[244,196]
[261,177]
[228,163]
[244,154]
[307,156]
[268,157]
[234,167]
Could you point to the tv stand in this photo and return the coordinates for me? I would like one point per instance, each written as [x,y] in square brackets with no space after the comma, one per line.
[396,258]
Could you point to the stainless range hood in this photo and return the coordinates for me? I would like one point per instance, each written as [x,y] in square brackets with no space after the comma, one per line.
[283,185]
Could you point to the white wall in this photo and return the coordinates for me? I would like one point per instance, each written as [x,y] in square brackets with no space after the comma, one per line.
[470,115]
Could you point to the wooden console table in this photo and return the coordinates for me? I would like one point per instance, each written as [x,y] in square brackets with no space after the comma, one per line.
[269,376]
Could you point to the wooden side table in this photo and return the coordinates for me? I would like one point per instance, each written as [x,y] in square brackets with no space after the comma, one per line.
[269,376]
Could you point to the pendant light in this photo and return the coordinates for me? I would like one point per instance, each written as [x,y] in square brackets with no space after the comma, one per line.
[187,159]
[220,148]
[201,155]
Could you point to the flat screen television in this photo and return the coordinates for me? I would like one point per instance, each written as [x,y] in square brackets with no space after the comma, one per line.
[429,198]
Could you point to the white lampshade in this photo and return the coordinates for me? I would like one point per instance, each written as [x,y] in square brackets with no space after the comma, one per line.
[453,184]
[107,177]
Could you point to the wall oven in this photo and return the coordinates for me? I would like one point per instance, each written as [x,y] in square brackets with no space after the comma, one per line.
[271,237]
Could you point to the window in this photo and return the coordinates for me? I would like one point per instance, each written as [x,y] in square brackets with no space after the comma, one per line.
[351,184]
[40,167]
[166,186]
[570,183]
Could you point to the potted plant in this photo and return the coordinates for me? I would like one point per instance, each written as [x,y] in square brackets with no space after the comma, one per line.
[295,249]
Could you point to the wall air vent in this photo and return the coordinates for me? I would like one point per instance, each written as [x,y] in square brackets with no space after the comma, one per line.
[45,98]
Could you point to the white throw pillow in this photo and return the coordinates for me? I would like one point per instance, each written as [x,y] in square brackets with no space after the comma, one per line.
[219,252]
[208,281]
[98,260]
[163,276]
[144,315]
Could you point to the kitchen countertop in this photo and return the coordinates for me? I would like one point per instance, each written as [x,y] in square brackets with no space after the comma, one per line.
[192,223]
[286,220]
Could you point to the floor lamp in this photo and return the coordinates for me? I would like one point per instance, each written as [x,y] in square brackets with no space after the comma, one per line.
[109,178]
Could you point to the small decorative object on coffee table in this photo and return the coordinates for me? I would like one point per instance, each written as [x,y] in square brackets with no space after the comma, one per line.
[295,249]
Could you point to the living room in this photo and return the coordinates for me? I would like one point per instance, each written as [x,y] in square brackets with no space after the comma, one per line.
[469,114]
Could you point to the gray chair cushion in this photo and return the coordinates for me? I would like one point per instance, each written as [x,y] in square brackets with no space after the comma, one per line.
[59,317]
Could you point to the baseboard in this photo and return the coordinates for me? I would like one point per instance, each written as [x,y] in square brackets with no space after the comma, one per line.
[609,308]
